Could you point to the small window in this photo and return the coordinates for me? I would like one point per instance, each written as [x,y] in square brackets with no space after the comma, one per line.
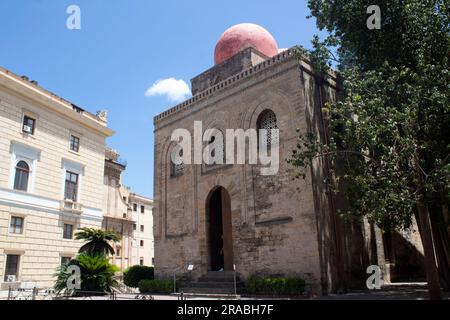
[141,261]
[142,209]
[267,120]
[134,207]
[12,267]
[124,199]
[71,187]
[16,225]
[118,252]
[142,228]
[28,125]
[74,143]
[176,169]
[68,231]
[22,176]
[65,260]
[134,226]
[142,243]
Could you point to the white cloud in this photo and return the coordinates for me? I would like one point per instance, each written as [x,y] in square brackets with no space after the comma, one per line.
[175,90]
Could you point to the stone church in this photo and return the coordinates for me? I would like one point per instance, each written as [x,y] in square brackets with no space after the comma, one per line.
[228,216]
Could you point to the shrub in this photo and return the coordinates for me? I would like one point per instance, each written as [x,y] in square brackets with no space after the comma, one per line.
[275,286]
[97,273]
[156,286]
[134,274]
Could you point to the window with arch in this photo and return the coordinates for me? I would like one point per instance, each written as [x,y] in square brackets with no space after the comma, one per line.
[21,176]
[221,151]
[177,167]
[267,120]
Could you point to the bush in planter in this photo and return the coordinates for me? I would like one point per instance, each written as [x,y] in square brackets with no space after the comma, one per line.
[156,286]
[275,286]
[134,274]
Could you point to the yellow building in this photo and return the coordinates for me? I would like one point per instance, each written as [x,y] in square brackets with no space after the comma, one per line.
[129,215]
[143,242]
[52,156]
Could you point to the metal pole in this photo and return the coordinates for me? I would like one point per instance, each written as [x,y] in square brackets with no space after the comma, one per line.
[174,283]
[235,290]
[9,293]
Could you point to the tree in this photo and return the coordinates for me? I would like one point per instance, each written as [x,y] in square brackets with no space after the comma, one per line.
[390,127]
[97,241]
[96,272]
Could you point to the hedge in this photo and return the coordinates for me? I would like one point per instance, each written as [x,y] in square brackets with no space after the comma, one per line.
[134,274]
[156,286]
[275,286]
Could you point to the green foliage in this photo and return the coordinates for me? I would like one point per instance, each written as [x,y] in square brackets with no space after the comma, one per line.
[275,286]
[134,274]
[156,286]
[97,274]
[97,241]
[390,129]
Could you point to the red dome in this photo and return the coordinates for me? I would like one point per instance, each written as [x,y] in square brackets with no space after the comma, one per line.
[242,36]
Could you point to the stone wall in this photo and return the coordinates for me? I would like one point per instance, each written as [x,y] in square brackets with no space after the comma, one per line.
[243,60]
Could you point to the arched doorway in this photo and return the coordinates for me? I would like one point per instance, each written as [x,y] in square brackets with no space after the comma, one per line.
[219,230]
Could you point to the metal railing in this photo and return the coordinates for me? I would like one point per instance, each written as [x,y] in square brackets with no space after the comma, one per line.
[31,294]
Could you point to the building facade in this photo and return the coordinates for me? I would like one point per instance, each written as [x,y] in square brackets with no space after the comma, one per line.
[143,242]
[129,215]
[117,215]
[51,175]
[230,216]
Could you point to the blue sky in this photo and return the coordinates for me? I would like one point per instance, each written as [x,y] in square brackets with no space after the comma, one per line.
[124,47]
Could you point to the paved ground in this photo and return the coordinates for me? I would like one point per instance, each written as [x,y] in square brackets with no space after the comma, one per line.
[398,291]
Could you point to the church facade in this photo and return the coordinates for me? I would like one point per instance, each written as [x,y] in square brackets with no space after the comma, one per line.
[229,216]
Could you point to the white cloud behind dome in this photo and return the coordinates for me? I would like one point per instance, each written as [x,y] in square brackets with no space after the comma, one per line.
[175,90]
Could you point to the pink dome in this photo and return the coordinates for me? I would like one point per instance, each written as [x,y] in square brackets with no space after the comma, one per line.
[242,36]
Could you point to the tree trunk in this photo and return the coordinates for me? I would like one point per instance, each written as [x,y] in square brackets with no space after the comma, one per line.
[441,244]
[434,288]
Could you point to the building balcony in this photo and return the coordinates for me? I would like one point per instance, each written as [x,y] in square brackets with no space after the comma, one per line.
[71,206]
[128,217]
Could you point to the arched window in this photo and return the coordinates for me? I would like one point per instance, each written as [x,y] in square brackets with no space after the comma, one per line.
[22,175]
[267,120]
[177,167]
[216,134]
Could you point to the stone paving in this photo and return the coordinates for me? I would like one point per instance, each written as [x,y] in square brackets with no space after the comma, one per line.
[395,291]
[398,291]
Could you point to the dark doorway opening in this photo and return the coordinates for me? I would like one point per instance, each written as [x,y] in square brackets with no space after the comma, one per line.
[219,230]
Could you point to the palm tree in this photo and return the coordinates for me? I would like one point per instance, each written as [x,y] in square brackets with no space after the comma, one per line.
[97,274]
[97,240]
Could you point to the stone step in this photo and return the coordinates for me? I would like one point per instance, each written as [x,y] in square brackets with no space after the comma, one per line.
[211,287]
[207,290]
[404,286]
[210,284]
[219,276]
